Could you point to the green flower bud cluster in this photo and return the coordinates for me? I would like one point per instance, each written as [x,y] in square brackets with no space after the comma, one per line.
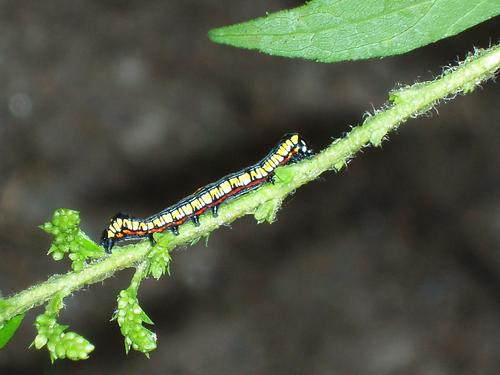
[68,238]
[60,344]
[159,261]
[130,317]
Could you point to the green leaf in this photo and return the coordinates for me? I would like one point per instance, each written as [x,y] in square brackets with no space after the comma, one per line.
[337,30]
[9,328]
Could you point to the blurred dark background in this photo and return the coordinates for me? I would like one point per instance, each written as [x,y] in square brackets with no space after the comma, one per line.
[390,267]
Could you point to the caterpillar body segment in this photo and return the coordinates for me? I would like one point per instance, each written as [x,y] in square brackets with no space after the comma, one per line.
[290,149]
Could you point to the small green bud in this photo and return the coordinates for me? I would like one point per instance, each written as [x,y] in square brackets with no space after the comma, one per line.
[51,345]
[42,319]
[60,350]
[284,175]
[47,227]
[40,341]
[57,255]
[77,266]
[267,211]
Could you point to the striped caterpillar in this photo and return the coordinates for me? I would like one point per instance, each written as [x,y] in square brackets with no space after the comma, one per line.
[291,148]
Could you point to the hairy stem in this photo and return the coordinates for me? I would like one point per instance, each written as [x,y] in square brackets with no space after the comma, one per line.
[140,273]
[406,103]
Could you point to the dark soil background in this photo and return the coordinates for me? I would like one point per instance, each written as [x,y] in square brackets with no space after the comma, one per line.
[390,267]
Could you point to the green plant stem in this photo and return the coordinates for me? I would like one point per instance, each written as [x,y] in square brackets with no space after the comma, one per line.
[140,273]
[406,103]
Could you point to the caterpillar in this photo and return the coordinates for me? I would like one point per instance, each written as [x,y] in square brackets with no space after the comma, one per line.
[291,148]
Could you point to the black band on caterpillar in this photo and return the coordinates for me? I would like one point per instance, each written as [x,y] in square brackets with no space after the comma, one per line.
[290,149]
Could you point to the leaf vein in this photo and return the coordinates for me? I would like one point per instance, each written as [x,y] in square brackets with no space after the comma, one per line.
[326,28]
[465,15]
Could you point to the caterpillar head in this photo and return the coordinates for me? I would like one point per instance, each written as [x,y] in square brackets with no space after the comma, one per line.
[301,150]
[304,150]
[113,232]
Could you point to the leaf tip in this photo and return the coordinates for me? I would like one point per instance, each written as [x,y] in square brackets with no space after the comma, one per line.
[216,35]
